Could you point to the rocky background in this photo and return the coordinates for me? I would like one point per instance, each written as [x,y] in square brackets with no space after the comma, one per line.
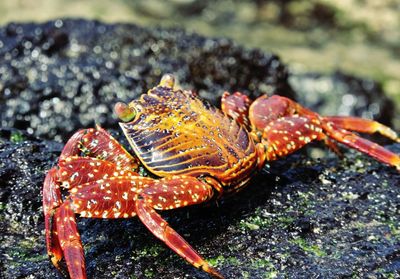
[299,218]
[358,37]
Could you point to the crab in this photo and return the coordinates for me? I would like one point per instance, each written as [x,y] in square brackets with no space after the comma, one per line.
[193,152]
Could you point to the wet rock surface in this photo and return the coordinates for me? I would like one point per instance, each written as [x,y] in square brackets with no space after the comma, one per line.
[343,94]
[300,218]
[59,76]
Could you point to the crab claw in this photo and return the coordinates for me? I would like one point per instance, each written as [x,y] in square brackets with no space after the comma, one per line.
[236,105]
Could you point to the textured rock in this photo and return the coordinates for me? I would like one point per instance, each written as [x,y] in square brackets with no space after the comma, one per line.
[59,76]
[344,95]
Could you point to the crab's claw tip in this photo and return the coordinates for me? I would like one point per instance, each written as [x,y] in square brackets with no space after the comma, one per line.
[167,80]
[124,112]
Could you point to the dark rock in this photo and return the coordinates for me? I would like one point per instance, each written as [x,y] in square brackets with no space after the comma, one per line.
[62,75]
[343,94]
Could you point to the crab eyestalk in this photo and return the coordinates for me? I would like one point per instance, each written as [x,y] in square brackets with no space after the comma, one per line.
[167,80]
[124,111]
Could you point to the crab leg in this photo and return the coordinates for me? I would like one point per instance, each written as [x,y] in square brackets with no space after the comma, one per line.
[70,240]
[368,147]
[288,134]
[99,143]
[362,125]
[128,196]
[74,171]
[62,236]
[236,105]
[51,201]
[296,134]
[122,196]
[169,193]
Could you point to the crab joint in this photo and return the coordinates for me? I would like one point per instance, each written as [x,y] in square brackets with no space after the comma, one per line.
[124,112]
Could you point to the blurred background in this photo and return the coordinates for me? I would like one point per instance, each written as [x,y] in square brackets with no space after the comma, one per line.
[360,37]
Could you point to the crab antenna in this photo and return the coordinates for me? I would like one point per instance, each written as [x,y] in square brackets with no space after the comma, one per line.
[124,112]
[167,80]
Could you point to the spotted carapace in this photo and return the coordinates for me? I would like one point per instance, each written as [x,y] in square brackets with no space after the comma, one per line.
[193,152]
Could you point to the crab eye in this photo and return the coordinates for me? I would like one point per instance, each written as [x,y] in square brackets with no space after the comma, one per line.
[167,80]
[124,111]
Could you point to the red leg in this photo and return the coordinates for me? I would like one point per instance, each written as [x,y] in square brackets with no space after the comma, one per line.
[236,105]
[62,236]
[266,109]
[362,125]
[51,201]
[126,196]
[266,114]
[109,198]
[76,171]
[70,241]
[98,143]
[370,148]
[123,197]
[171,193]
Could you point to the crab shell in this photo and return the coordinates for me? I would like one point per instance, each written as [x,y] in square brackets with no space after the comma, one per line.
[174,133]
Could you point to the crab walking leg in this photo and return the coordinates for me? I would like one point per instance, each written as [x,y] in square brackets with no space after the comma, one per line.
[168,193]
[236,105]
[51,201]
[266,109]
[73,145]
[266,113]
[362,125]
[288,134]
[105,198]
[363,145]
[99,143]
[126,196]
[70,241]
[74,171]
